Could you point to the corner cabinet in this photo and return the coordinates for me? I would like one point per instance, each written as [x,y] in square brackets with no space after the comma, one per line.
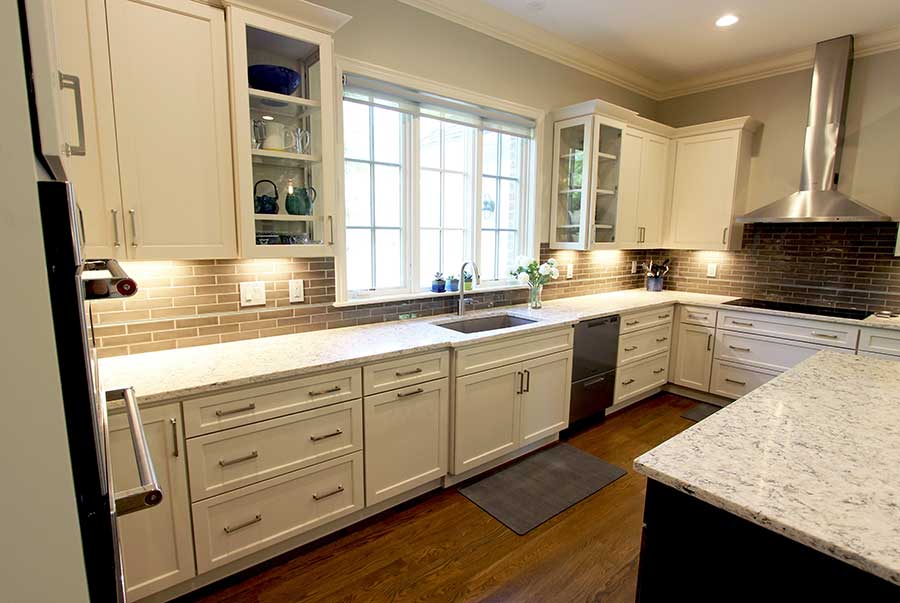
[284,143]
[643,189]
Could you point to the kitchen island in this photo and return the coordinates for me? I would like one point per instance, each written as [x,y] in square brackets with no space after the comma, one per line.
[790,493]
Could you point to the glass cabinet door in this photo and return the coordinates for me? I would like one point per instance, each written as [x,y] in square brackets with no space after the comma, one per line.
[571,183]
[605,186]
[283,103]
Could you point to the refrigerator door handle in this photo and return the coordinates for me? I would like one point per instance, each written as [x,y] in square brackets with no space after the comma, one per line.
[148,493]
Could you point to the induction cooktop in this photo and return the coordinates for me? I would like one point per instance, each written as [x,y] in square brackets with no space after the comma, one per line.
[763,304]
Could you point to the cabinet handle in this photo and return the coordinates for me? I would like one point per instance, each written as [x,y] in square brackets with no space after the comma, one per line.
[825,335]
[709,342]
[247,457]
[325,436]
[642,236]
[736,382]
[174,423]
[134,242]
[115,214]
[330,390]
[631,348]
[739,349]
[337,490]
[658,371]
[331,230]
[412,393]
[632,323]
[697,316]
[240,526]
[742,324]
[234,411]
[528,382]
[408,373]
[71,82]
[662,339]
[521,376]
[629,382]
[725,236]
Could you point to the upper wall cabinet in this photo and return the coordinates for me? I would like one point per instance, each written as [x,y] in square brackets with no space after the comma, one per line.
[283,105]
[643,188]
[712,168]
[156,179]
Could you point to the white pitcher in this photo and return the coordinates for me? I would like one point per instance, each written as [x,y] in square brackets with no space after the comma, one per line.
[277,137]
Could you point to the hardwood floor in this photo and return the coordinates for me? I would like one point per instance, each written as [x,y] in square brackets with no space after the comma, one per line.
[443,548]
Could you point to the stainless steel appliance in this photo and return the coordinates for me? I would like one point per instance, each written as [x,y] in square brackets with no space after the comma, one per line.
[799,308]
[594,367]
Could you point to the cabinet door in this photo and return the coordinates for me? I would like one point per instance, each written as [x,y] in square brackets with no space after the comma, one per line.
[630,188]
[157,548]
[406,438]
[486,418]
[652,194]
[170,88]
[545,396]
[570,210]
[704,190]
[693,356]
[604,204]
[83,52]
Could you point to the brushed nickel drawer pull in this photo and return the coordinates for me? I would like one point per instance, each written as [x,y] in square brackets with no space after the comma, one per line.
[662,316]
[418,390]
[330,390]
[115,215]
[174,424]
[698,316]
[247,457]
[325,436]
[632,323]
[742,324]
[134,242]
[408,373]
[246,524]
[629,382]
[735,381]
[825,335]
[337,490]
[631,348]
[234,411]
[739,349]
[658,371]
[661,339]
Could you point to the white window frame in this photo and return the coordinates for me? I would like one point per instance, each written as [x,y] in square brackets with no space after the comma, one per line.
[530,215]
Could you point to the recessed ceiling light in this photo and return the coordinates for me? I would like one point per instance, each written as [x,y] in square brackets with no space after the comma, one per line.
[726,20]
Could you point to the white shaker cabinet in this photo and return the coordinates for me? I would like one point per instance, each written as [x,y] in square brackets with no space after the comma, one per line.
[692,364]
[156,543]
[545,396]
[642,198]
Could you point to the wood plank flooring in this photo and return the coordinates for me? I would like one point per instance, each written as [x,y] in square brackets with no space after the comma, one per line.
[443,548]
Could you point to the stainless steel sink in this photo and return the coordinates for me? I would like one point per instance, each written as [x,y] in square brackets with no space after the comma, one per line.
[486,323]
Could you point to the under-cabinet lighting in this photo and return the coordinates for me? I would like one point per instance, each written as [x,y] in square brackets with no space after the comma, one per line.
[727,20]
[268,118]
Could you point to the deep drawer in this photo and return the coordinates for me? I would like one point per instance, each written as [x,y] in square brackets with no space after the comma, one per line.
[796,329]
[762,352]
[226,460]
[641,377]
[643,344]
[733,381]
[881,341]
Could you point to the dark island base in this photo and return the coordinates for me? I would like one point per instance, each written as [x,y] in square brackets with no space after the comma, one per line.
[693,551]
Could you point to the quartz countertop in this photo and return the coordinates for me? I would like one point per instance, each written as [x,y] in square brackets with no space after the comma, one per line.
[813,454]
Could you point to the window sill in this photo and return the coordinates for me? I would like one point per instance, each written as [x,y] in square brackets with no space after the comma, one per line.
[365,301]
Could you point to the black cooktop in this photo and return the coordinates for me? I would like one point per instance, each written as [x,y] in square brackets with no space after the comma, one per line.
[800,308]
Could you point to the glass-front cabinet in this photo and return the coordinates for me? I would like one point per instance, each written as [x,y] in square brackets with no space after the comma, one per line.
[283,104]
[587,156]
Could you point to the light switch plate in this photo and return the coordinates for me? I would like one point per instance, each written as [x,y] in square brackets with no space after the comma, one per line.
[570,271]
[253,294]
[711,270]
[295,290]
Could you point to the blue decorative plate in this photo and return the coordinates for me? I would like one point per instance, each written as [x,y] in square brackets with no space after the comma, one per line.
[273,78]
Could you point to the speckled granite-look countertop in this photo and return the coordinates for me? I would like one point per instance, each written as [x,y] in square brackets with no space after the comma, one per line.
[814,454]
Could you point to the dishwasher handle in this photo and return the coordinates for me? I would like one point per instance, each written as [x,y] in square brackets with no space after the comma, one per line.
[148,493]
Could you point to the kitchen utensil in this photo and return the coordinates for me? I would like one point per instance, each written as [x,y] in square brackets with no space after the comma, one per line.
[273,78]
[277,137]
[265,204]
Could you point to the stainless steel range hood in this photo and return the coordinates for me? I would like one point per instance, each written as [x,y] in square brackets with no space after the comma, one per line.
[818,199]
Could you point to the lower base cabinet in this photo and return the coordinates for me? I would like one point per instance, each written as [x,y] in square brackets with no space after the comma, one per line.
[156,544]
[693,356]
[641,378]
[406,438]
[545,396]
[733,380]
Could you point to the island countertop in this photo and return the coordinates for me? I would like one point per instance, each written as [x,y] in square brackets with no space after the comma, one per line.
[813,454]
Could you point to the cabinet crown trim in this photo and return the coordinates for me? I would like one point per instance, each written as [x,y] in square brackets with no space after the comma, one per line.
[314,16]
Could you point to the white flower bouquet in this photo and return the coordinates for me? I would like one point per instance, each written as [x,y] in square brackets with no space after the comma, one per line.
[529,272]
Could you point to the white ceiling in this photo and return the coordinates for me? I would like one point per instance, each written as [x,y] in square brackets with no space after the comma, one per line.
[670,40]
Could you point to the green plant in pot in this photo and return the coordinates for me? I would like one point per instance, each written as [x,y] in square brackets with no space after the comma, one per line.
[452,283]
[467,280]
[438,283]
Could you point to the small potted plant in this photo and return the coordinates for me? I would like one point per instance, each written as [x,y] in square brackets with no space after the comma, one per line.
[452,283]
[467,281]
[437,285]
[529,272]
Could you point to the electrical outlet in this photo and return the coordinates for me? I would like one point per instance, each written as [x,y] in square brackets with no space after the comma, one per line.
[633,266]
[711,270]
[253,294]
[295,291]
[570,271]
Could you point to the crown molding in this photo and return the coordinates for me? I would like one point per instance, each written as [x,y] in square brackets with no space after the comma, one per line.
[486,19]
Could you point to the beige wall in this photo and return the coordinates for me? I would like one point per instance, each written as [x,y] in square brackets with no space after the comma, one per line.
[871,163]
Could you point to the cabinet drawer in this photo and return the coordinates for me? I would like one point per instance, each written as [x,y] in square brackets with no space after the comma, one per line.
[881,341]
[237,457]
[254,404]
[515,349]
[641,377]
[795,329]
[879,355]
[762,352]
[698,315]
[401,372]
[645,319]
[733,381]
[238,523]
[643,344]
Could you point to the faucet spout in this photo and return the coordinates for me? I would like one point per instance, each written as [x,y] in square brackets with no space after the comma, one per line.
[476,279]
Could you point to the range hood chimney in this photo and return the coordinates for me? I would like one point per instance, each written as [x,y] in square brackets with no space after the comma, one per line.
[818,199]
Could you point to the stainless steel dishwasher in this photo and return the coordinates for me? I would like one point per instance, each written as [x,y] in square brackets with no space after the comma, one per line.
[594,367]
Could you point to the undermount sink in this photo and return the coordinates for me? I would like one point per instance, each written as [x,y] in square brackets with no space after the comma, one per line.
[486,323]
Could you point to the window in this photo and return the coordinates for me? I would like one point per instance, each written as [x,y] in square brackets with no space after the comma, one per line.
[429,183]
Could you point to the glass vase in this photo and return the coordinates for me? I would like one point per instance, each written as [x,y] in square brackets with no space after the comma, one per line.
[534,296]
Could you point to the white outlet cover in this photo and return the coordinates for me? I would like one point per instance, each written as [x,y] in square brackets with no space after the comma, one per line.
[253,294]
[711,270]
[633,266]
[570,271]
[295,290]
